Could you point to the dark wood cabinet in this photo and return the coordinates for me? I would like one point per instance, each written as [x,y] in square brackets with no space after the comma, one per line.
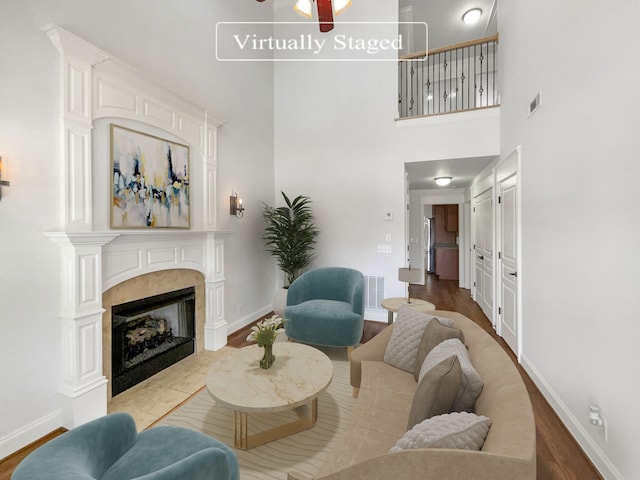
[451,218]
[446,248]
[447,263]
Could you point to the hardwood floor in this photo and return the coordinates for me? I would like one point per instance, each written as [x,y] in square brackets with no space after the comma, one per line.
[558,455]
[8,464]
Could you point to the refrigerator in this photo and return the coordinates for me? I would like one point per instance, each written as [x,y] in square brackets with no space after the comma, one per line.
[429,242]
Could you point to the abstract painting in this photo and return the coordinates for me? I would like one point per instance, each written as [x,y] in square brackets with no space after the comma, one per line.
[150,181]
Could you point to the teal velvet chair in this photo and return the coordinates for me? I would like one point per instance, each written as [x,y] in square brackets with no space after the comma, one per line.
[110,448]
[326,307]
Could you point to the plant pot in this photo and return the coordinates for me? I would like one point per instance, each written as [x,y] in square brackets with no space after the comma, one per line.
[280,302]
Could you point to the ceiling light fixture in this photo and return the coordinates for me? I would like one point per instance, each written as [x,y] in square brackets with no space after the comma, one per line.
[472,16]
[443,181]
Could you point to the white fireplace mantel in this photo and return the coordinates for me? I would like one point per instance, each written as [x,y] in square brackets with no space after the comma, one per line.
[94,86]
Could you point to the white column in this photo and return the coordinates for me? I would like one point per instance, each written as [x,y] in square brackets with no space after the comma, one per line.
[215,328]
[77,58]
[83,386]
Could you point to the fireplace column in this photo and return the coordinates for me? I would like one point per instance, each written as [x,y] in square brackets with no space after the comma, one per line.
[215,328]
[84,387]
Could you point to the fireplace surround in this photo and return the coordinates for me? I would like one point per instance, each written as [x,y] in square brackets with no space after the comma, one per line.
[143,286]
[97,262]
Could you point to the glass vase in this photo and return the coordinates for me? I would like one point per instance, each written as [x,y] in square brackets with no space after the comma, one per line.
[268,358]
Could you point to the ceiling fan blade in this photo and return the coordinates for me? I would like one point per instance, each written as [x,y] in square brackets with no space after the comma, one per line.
[325,15]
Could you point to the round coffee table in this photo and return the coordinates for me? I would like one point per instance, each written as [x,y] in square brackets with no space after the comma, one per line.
[294,382]
[392,305]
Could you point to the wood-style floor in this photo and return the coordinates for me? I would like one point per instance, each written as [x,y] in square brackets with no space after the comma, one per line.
[558,455]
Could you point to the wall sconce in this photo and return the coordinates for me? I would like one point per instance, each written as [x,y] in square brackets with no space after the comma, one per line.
[3,183]
[235,206]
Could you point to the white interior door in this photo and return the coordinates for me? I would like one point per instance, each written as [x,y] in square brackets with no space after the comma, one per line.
[482,212]
[508,261]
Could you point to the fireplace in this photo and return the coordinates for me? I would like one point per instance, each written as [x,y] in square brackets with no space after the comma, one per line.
[99,263]
[149,335]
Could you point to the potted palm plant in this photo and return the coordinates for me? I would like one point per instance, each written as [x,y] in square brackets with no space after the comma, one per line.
[290,235]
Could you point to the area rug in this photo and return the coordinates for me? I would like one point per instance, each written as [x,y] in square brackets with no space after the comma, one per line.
[304,452]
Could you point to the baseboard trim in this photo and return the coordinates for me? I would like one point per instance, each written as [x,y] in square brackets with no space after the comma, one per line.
[586,442]
[30,433]
[240,323]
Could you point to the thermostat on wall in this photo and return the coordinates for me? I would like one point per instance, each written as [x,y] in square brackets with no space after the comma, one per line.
[388,216]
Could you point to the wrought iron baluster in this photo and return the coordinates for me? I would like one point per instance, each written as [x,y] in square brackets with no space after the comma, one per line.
[444,74]
[457,78]
[400,112]
[462,78]
[412,101]
[481,70]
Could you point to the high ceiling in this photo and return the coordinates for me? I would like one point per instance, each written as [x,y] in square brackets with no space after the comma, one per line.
[462,170]
[444,20]
[445,26]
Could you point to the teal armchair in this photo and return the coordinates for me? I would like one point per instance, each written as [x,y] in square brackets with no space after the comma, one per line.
[110,448]
[326,307]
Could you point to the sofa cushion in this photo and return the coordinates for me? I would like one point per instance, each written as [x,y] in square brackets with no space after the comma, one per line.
[471,384]
[460,430]
[405,338]
[435,333]
[437,391]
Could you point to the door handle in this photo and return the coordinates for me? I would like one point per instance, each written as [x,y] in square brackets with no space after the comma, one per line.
[481,257]
[515,274]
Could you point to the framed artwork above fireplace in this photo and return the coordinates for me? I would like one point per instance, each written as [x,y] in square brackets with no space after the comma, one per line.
[150,181]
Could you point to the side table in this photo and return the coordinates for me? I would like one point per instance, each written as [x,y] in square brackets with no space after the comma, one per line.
[392,304]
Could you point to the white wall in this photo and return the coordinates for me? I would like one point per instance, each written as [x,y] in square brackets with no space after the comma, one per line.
[579,183]
[173,43]
[337,141]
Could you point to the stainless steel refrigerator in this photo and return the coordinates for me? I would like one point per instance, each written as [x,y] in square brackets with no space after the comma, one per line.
[429,242]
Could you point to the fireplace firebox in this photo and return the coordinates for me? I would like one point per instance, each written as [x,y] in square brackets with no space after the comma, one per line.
[149,335]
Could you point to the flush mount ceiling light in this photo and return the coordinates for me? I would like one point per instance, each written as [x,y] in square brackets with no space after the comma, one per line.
[443,181]
[472,16]
[326,10]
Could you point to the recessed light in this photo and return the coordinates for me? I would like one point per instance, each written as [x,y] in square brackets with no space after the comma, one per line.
[443,181]
[472,16]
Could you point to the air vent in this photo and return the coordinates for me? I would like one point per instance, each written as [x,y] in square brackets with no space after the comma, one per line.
[374,291]
[534,105]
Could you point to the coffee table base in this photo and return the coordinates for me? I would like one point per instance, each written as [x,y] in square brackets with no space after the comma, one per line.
[307,417]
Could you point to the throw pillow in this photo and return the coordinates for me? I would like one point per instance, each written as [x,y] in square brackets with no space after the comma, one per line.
[435,333]
[407,333]
[436,392]
[460,430]
[471,384]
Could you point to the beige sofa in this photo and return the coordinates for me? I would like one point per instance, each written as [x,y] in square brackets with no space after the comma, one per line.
[381,413]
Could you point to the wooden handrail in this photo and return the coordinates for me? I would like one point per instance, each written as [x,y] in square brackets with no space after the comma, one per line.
[470,43]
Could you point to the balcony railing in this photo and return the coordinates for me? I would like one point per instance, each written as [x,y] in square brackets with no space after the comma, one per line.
[449,79]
